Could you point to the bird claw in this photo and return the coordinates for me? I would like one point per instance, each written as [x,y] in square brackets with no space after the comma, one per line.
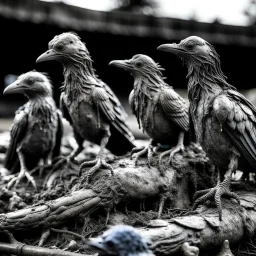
[171,152]
[16,180]
[179,148]
[60,161]
[134,150]
[150,150]
[222,189]
[98,163]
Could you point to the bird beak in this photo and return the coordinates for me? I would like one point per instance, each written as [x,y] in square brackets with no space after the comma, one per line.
[48,55]
[125,64]
[15,87]
[96,244]
[172,48]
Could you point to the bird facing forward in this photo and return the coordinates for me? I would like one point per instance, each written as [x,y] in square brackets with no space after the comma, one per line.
[37,130]
[87,103]
[121,241]
[162,113]
[224,120]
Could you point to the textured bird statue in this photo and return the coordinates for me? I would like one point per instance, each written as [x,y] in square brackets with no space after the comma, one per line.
[37,129]
[87,103]
[162,113]
[223,119]
[121,241]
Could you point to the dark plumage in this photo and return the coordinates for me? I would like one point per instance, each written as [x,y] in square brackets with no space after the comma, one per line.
[161,112]
[121,241]
[224,120]
[87,103]
[37,128]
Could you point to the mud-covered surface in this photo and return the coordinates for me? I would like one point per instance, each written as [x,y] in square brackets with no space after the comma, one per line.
[131,196]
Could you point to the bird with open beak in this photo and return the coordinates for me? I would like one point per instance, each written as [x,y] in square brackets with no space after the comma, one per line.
[162,113]
[121,241]
[224,120]
[87,103]
[37,130]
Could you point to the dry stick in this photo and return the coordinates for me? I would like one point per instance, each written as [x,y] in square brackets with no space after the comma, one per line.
[69,233]
[28,250]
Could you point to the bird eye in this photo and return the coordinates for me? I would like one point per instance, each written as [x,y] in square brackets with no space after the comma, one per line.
[30,81]
[190,45]
[110,244]
[139,64]
[60,47]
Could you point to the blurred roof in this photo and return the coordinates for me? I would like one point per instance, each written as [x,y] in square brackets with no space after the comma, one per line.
[125,24]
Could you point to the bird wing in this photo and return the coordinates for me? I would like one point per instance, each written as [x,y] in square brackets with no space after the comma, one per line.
[131,101]
[18,130]
[64,109]
[238,117]
[111,108]
[59,134]
[66,115]
[175,108]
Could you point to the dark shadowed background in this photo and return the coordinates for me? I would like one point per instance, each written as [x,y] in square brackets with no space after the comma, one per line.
[128,27]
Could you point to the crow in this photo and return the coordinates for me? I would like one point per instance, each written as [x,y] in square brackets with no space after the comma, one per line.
[224,120]
[121,241]
[37,129]
[162,113]
[87,103]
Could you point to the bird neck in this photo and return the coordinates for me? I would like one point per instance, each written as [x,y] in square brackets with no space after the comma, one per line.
[145,91]
[148,86]
[34,96]
[205,80]
[42,107]
[79,76]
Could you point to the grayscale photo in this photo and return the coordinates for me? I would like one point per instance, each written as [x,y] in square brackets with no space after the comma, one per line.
[128,128]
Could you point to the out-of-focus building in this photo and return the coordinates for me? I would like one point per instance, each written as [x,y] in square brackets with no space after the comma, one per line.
[27,26]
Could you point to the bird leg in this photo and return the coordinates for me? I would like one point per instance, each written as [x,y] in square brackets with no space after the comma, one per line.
[150,150]
[98,162]
[60,160]
[173,151]
[23,173]
[221,189]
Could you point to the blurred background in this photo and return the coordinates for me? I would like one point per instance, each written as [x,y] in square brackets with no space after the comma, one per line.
[118,29]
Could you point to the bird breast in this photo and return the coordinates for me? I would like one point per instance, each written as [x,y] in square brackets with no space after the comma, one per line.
[87,120]
[157,125]
[41,132]
[210,134]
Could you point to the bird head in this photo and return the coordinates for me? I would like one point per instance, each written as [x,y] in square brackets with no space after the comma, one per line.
[31,84]
[203,63]
[194,50]
[66,48]
[120,241]
[139,66]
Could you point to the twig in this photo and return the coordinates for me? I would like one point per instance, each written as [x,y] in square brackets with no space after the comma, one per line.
[28,250]
[68,232]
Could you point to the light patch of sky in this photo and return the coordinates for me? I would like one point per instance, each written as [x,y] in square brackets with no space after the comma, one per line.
[227,11]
